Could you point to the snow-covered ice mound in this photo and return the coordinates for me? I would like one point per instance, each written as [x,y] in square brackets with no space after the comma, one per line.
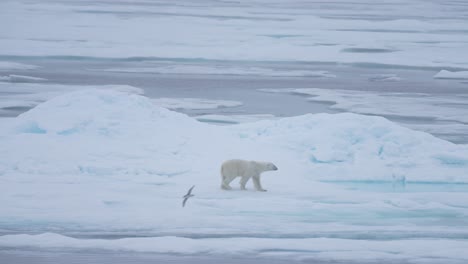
[104,161]
[100,112]
[339,146]
[22,95]
[96,131]
[444,74]
[352,147]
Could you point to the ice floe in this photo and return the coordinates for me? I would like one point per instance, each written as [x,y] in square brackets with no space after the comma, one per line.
[102,161]
[251,31]
[26,95]
[194,103]
[450,110]
[233,119]
[384,78]
[429,251]
[224,70]
[8,66]
[20,78]
[444,74]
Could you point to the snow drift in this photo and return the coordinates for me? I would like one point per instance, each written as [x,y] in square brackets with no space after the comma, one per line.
[444,74]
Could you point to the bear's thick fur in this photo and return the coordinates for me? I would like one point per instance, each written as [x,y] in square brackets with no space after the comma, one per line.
[245,169]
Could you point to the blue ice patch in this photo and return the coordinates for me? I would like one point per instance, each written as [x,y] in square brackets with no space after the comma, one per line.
[74,130]
[32,128]
[68,131]
[452,161]
[400,185]
[315,160]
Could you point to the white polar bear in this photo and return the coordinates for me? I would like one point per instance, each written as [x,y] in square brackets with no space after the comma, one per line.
[245,169]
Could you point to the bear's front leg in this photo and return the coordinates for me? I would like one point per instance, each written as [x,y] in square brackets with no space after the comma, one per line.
[225,186]
[243,182]
[256,181]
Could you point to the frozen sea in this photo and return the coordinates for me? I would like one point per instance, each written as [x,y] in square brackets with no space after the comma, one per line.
[111,110]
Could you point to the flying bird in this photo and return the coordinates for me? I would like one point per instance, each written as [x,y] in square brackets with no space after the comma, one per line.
[188,195]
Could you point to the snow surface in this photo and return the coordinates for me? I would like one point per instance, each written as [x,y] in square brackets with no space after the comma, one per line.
[233,119]
[8,66]
[444,74]
[318,248]
[384,78]
[194,103]
[223,70]
[20,78]
[102,161]
[30,94]
[339,32]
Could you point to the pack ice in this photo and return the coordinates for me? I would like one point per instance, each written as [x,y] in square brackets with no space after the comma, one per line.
[98,161]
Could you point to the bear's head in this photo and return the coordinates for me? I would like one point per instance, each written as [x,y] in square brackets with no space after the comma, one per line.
[271,166]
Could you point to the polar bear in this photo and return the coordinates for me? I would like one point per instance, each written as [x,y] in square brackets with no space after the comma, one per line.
[245,169]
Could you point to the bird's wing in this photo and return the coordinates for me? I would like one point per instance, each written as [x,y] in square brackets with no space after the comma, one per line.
[190,190]
[183,203]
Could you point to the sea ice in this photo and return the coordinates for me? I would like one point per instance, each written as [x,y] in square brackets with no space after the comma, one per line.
[384,78]
[95,162]
[20,78]
[444,74]
[27,95]
[8,66]
[451,110]
[277,31]
[432,251]
[224,70]
[194,103]
[233,119]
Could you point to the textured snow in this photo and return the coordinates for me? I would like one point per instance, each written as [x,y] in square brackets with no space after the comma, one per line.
[8,66]
[350,138]
[31,94]
[276,31]
[444,74]
[224,70]
[318,248]
[194,103]
[384,78]
[103,161]
[20,78]
[233,119]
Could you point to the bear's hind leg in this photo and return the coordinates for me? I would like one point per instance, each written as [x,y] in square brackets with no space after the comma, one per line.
[225,183]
